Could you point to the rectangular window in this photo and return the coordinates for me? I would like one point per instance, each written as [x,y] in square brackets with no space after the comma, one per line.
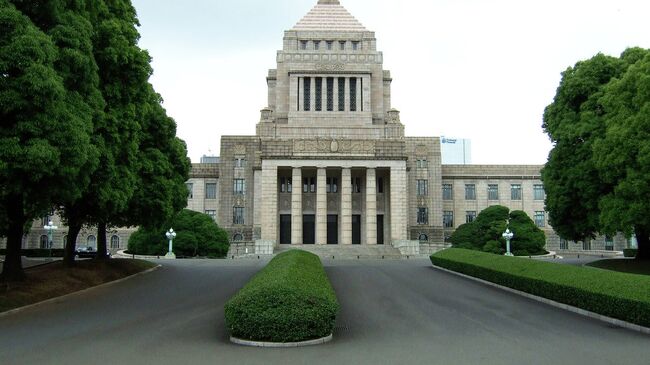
[308,184]
[422,187]
[538,192]
[289,188]
[447,192]
[540,219]
[210,190]
[303,45]
[515,192]
[470,192]
[353,94]
[332,185]
[448,219]
[319,94]
[355,45]
[240,162]
[307,94]
[239,187]
[380,185]
[341,94]
[422,164]
[238,215]
[283,184]
[330,45]
[316,45]
[586,245]
[423,216]
[212,214]
[342,45]
[330,94]
[190,190]
[493,192]
[356,185]
[564,244]
[470,216]
[609,243]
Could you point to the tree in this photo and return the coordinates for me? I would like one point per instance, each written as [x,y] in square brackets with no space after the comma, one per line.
[45,131]
[197,235]
[484,233]
[593,184]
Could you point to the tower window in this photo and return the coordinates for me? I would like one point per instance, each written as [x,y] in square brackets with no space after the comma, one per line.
[307,94]
[330,45]
[330,94]
[353,94]
[342,45]
[319,94]
[316,45]
[341,94]
[355,45]
[303,45]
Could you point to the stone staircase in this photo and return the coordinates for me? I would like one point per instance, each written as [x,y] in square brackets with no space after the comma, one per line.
[349,252]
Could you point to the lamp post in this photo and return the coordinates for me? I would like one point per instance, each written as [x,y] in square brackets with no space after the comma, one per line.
[508,236]
[170,236]
[50,230]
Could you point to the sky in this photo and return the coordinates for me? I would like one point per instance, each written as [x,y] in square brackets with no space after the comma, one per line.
[478,69]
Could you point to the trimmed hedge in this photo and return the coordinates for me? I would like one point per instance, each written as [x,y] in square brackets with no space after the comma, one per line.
[290,300]
[37,252]
[613,294]
[629,252]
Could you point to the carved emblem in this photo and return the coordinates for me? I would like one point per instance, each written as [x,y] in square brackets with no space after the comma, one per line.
[334,146]
[330,67]
[239,149]
[286,204]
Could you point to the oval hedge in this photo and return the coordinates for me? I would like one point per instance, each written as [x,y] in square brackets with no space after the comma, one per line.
[290,300]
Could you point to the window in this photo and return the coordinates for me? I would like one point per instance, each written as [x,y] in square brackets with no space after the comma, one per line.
[448,219]
[586,245]
[330,94]
[422,187]
[342,45]
[303,45]
[423,216]
[380,185]
[212,214]
[470,216]
[91,241]
[353,94]
[355,45]
[356,185]
[190,190]
[332,185]
[470,192]
[423,237]
[238,237]
[447,192]
[239,186]
[240,162]
[44,242]
[493,192]
[330,45]
[307,94]
[309,185]
[319,94]
[538,192]
[341,85]
[609,243]
[422,164]
[285,184]
[540,219]
[211,190]
[238,215]
[115,241]
[564,244]
[316,45]
[515,192]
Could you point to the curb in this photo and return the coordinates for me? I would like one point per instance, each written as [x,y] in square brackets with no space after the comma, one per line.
[65,296]
[580,311]
[317,341]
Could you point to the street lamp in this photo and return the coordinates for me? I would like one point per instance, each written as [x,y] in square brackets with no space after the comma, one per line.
[170,236]
[50,230]
[508,236]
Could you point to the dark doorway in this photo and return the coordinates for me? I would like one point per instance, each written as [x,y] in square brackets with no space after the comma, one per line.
[380,229]
[285,229]
[356,229]
[308,229]
[332,229]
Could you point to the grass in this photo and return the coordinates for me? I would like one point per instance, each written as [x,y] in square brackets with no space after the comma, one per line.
[631,266]
[614,294]
[54,280]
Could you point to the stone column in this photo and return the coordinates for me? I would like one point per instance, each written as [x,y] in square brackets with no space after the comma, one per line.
[336,94]
[313,94]
[323,93]
[269,203]
[321,207]
[398,202]
[371,207]
[359,101]
[346,207]
[296,206]
[347,94]
[301,94]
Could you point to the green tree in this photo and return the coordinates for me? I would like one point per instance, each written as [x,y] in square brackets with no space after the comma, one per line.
[46,126]
[484,233]
[197,235]
[595,175]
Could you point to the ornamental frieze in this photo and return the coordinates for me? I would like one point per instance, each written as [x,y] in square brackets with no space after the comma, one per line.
[338,146]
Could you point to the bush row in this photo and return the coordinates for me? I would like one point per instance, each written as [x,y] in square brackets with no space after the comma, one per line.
[629,252]
[613,294]
[290,300]
[38,252]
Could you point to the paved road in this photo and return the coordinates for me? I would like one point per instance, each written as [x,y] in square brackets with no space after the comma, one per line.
[392,312]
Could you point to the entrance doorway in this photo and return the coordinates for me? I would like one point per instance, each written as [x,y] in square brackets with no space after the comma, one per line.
[380,229]
[332,229]
[285,229]
[356,229]
[308,229]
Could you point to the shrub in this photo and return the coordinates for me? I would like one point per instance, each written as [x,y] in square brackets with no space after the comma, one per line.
[608,293]
[290,300]
[629,252]
[38,252]
[196,235]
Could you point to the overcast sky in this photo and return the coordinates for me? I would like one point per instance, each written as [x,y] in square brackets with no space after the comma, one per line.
[478,69]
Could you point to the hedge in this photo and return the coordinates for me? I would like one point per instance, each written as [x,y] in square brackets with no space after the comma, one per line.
[290,300]
[629,252]
[613,294]
[37,252]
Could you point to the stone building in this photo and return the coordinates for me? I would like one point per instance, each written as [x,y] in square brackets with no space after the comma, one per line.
[330,163]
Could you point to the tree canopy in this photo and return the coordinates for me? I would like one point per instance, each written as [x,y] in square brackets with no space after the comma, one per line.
[598,174]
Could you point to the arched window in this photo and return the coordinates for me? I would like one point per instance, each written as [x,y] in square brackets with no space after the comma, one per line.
[423,237]
[44,242]
[238,237]
[91,241]
[115,241]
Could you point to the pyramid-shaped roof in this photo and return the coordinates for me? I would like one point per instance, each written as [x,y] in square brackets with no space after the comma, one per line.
[329,15]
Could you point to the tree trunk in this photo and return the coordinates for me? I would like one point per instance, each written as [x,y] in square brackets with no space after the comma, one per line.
[73,231]
[12,269]
[643,243]
[101,241]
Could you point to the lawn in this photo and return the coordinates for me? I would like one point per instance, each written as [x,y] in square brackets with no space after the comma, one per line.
[54,280]
[630,266]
